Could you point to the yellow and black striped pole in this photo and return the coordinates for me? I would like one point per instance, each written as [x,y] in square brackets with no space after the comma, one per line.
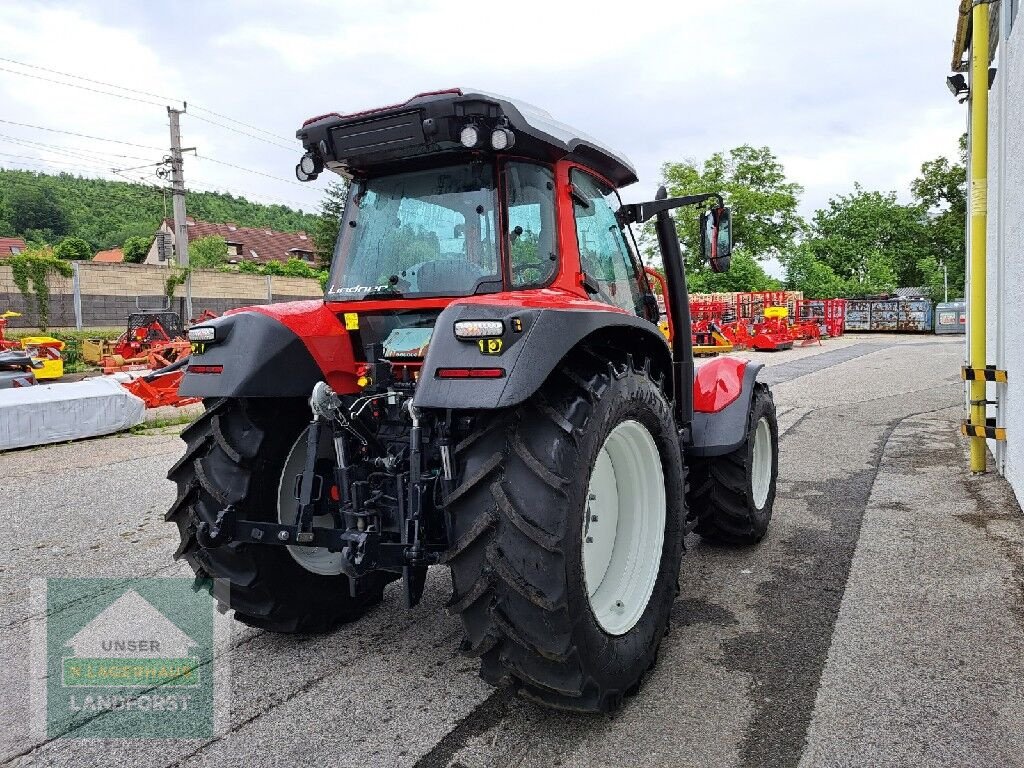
[979,223]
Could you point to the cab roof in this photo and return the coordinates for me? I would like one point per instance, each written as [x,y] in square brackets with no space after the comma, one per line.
[427,127]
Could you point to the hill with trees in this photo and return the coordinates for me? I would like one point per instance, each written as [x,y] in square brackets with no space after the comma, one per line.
[49,209]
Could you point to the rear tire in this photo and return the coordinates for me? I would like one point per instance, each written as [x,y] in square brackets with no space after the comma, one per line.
[518,519]
[732,496]
[235,455]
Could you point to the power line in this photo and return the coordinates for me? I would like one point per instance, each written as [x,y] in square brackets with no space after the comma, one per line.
[83,135]
[95,156]
[86,79]
[140,92]
[43,161]
[63,147]
[238,122]
[243,133]
[137,167]
[42,167]
[250,170]
[221,189]
[84,154]
[81,87]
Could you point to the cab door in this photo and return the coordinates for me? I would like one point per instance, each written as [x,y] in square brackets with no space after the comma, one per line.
[612,272]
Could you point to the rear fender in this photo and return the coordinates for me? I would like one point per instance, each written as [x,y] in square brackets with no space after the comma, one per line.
[527,356]
[279,350]
[722,391]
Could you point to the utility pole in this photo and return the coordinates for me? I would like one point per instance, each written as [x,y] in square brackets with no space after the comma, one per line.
[178,200]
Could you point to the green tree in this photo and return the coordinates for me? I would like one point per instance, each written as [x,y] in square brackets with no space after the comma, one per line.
[764,211]
[745,274]
[73,249]
[941,190]
[325,230]
[933,278]
[207,252]
[814,278]
[136,249]
[870,239]
[35,208]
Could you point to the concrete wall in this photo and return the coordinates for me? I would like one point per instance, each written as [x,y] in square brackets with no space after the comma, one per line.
[108,293]
[1005,268]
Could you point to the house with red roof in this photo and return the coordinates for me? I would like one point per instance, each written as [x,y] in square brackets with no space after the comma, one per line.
[256,244]
[11,246]
[113,256]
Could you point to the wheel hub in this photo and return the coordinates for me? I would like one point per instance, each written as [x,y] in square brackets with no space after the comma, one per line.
[623,527]
[313,559]
[761,463]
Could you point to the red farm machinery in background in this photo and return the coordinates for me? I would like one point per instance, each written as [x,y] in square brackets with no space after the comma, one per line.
[154,349]
[762,320]
[828,314]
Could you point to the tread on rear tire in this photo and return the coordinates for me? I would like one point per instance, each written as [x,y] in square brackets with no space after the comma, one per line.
[235,455]
[516,518]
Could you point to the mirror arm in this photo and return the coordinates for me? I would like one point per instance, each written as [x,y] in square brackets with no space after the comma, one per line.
[678,302]
[638,213]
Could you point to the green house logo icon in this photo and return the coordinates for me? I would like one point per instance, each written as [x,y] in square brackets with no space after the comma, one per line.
[130,644]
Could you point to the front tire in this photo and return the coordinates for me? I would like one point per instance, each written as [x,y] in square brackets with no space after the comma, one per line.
[236,454]
[519,518]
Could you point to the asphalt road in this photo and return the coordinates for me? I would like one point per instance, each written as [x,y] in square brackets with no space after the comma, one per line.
[881,622]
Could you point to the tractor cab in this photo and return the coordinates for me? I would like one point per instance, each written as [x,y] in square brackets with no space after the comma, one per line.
[456,194]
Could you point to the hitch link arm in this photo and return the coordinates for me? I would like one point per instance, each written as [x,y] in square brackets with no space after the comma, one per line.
[307,501]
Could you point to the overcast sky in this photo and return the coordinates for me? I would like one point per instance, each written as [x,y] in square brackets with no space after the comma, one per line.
[841,91]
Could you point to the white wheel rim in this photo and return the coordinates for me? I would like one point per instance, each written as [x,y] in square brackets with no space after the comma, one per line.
[761,465]
[313,559]
[622,547]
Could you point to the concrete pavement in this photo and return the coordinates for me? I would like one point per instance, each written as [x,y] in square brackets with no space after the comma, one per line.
[881,622]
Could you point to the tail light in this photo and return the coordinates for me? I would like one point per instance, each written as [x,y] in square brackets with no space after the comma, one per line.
[470,373]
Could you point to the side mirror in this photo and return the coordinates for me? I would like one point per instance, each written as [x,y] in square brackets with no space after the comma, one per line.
[716,238]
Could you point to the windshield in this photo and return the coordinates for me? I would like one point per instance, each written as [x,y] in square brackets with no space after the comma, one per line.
[426,233]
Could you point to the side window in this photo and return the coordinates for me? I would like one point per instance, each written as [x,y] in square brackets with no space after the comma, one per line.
[531,223]
[604,255]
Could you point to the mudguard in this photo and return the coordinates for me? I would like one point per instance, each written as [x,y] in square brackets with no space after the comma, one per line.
[722,391]
[257,354]
[526,356]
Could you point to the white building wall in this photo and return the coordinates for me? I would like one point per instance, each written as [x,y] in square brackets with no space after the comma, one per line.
[1005,326]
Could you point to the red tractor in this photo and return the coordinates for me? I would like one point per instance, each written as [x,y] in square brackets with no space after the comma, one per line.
[484,386]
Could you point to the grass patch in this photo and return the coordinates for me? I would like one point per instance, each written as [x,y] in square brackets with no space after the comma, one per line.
[149,426]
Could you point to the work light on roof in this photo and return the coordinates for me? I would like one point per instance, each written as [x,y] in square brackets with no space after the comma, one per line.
[470,136]
[308,164]
[502,138]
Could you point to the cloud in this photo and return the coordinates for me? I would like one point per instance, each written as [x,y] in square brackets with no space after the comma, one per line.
[842,92]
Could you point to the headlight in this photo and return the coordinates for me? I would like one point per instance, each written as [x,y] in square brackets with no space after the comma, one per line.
[479,329]
[502,138]
[202,333]
[470,136]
